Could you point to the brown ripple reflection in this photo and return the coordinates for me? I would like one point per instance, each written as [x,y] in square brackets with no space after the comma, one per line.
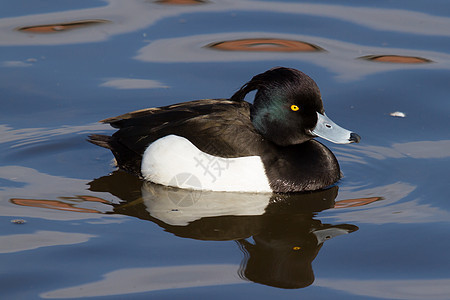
[60,205]
[356,202]
[52,28]
[265,45]
[398,59]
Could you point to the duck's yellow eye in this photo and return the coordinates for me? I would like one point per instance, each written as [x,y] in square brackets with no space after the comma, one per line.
[294,107]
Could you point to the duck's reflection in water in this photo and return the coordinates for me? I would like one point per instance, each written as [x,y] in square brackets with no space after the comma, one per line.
[277,232]
[284,249]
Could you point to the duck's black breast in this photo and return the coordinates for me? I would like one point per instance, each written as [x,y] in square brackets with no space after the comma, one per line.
[303,167]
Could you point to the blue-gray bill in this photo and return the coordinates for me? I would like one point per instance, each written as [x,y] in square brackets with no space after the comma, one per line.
[327,129]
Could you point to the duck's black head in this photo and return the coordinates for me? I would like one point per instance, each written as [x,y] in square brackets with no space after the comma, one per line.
[288,109]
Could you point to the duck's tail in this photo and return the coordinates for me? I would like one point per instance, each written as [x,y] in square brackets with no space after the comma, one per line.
[126,159]
[100,140]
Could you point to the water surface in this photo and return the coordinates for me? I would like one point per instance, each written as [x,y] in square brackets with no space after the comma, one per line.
[74,227]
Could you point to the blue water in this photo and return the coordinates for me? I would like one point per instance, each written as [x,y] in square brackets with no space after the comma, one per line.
[74,228]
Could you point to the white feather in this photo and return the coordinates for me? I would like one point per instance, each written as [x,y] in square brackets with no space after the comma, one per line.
[175,161]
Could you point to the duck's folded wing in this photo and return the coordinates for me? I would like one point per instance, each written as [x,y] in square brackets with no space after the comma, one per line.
[217,127]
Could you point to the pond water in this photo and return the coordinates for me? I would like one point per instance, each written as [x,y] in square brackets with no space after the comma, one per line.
[74,227]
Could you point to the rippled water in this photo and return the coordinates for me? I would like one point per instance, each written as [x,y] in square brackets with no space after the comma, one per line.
[73,227]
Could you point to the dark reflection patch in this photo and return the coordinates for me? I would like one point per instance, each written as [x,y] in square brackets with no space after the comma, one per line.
[265,45]
[398,59]
[58,27]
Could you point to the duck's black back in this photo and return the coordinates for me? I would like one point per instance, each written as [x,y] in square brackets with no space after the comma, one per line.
[216,126]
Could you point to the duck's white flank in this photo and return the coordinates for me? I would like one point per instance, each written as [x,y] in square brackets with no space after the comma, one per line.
[175,161]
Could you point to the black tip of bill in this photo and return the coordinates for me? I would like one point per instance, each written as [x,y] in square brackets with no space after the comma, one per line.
[354,138]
